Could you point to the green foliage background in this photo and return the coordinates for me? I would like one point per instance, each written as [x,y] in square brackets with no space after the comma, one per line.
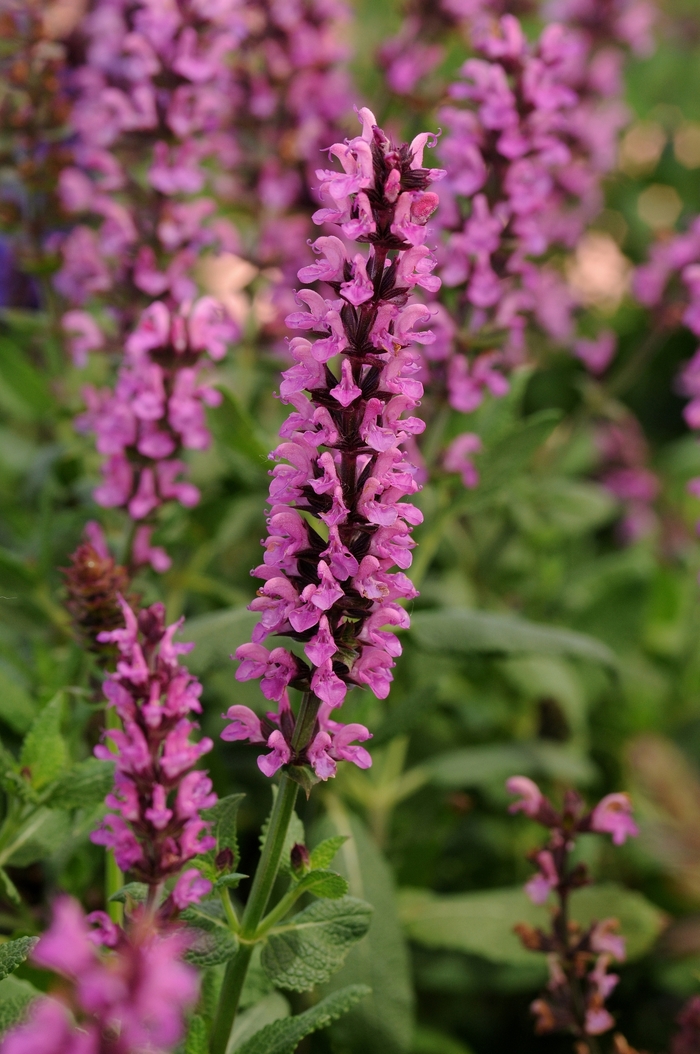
[540,645]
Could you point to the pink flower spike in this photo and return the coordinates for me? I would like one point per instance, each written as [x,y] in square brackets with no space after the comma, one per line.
[531,795]
[345,750]
[346,391]
[281,755]
[613,816]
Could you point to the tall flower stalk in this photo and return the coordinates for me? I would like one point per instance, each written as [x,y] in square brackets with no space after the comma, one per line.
[338,524]
[578,958]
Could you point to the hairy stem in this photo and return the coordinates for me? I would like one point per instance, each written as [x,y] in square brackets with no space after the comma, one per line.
[263,882]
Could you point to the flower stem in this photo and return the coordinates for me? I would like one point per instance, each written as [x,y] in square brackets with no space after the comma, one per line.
[263,882]
[114,879]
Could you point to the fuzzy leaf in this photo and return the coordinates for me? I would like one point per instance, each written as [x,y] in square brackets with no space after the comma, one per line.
[231,881]
[224,818]
[324,852]
[84,785]
[211,947]
[324,883]
[197,1039]
[44,751]
[312,945]
[15,997]
[12,953]
[269,1007]
[283,1036]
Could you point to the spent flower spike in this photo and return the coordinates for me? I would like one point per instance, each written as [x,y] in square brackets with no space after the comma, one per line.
[331,586]
[578,958]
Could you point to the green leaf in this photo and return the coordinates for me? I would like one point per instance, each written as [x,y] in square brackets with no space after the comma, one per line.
[482,923]
[84,785]
[283,1036]
[15,997]
[10,888]
[431,1041]
[24,381]
[224,817]
[476,766]
[213,941]
[382,1023]
[210,947]
[217,636]
[136,891]
[44,751]
[505,459]
[325,852]
[327,884]
[231,881]
[17,708]
[44,832]
[197,1039]
[295,834]
[12,953]
[271,1006]
[312,945]
[236,429]
[467,632]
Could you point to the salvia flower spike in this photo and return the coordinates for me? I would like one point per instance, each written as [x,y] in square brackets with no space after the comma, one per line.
[338,525]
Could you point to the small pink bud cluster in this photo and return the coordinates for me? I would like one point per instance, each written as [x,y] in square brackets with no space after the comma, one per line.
[578,958]
[526,158]
[121,991]
[338,524]
[155,411]
[156,826]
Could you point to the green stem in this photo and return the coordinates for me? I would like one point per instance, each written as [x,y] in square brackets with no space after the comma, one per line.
[114,879]
[263,882]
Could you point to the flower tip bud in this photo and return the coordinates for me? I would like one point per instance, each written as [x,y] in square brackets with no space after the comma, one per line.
[300,859]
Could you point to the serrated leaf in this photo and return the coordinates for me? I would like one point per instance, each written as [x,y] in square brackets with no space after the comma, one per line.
[15,998]
[44,751]
[283,1036]
[223,817]
[325,851]
[467,632]
[295,834]
[312,945]
[197,1038]
[84,785]
[12,953]
[382,1023]
[324,883]
[210,947]
[482,923]
[136,891]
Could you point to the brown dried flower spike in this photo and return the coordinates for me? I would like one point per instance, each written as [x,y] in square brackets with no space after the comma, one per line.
[92,583]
